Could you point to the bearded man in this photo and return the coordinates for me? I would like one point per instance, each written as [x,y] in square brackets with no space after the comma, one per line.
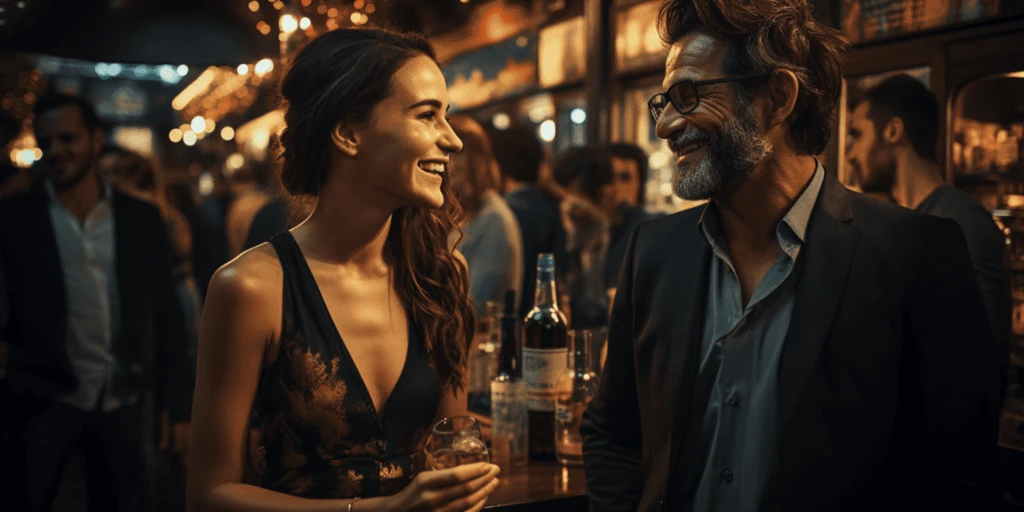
[791,345]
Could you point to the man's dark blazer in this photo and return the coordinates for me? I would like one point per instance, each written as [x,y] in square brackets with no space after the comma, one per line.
[887,382]
[151,345]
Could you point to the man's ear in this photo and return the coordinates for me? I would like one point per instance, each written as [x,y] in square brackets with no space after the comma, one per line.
[344,138]
[783,90]
[893,130]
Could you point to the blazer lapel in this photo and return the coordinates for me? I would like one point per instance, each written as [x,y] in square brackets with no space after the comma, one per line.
[126,240]
[828,254]
[53,277]
[689,285]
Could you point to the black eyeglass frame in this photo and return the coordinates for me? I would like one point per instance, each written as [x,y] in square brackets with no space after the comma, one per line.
[663,99]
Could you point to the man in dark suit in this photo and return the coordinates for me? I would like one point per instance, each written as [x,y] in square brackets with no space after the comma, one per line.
[93,323]
[894,132]
[791,345]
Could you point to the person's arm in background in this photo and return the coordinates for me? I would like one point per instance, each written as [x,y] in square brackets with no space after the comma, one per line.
[490,270]
[176,363]
[611,423]
[949,355]
[987,247]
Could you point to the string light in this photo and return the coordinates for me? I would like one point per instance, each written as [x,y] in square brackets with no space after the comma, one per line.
[288,24]
[279,5]
[332,12]
[227,133]
[321,9]
[370,9]
[243,69]
[175,135]
[254,6]
[263,67]
[304,23]
[198,124]
[547,130]
[359,4]
[189,138]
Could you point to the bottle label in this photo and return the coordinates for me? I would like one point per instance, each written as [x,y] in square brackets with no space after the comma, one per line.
[508,409]
[541,369]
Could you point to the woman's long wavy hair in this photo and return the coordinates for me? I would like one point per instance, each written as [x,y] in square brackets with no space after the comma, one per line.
[342,76]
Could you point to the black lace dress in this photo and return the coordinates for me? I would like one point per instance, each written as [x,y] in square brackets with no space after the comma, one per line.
[322,434]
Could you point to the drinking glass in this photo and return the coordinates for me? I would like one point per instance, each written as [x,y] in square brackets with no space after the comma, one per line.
[455,442]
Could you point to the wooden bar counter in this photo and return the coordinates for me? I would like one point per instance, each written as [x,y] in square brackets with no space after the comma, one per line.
[540,487]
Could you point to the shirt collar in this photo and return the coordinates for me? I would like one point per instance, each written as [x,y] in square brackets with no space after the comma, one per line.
[799,215]
[51,192]
[796,219]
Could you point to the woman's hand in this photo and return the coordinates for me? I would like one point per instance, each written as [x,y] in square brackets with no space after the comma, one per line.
[457,489]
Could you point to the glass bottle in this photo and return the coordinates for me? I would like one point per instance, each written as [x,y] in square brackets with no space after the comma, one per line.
[544,359]
[478,367]
[509,441]
[483,360]
[492,347]
[575,388]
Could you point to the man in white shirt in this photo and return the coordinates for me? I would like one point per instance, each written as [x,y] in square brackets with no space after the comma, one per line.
[93,324]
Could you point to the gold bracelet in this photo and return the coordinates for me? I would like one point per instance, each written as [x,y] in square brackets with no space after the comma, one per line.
[353,502]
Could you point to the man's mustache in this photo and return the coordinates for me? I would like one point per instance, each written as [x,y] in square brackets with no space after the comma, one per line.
[680,140]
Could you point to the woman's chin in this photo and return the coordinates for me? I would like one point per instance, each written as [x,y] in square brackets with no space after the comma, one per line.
[428,199]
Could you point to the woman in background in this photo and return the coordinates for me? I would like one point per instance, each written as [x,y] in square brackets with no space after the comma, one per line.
[347,334]
[492,243]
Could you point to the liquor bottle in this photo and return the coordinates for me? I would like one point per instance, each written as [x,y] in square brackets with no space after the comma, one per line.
[495,312]
[544,359]
[576,387]
[509,445]
[478,367]
[483,359]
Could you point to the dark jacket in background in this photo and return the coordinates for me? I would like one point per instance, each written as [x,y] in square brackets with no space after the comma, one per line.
[541,226]
[987,246]
[887,381]
[151,345]
[629,218]
[269,221]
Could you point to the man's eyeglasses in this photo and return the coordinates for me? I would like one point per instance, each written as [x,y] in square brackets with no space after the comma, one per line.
[685,95]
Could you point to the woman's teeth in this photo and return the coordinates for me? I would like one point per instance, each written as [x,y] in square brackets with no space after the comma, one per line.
[433,167]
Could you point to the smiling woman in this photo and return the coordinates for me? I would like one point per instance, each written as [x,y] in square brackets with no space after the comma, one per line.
[346,336]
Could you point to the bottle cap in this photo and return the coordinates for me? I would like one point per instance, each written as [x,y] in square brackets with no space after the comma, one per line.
[545,262]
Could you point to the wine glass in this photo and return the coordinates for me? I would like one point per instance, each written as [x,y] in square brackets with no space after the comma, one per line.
[455,442]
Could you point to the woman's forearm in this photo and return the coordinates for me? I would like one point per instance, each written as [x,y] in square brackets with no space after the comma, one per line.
[239,497]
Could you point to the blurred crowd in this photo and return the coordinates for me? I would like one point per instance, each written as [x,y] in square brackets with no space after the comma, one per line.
[517,203]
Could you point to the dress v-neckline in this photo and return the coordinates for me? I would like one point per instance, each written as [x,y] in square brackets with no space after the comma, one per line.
[324,314]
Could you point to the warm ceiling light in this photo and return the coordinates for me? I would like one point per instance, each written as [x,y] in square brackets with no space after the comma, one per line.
[288,24]
[263,67]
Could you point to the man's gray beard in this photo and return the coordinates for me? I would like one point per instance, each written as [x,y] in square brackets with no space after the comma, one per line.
[728,159]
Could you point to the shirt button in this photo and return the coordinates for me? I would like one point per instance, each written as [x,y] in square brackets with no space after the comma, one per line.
[734,401]
[727,475]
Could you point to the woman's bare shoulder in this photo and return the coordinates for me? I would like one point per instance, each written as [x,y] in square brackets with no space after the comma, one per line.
[253,278]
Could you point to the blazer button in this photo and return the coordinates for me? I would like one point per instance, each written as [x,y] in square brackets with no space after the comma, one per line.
[734,401]
[727,475]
